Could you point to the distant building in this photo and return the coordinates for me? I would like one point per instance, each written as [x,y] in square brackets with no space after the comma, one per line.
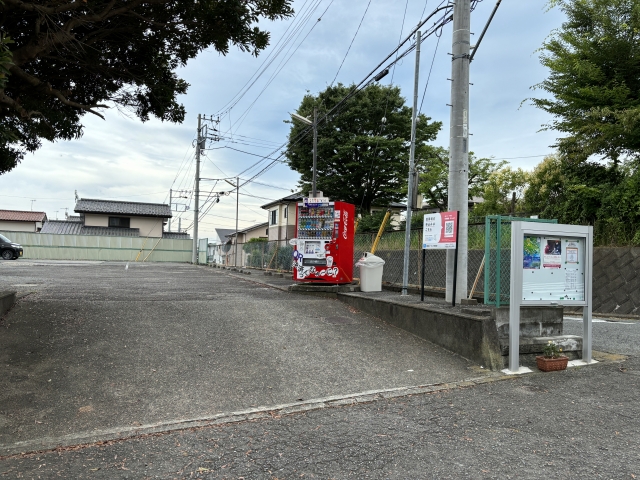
[282,217]
[21,221]
[115,219]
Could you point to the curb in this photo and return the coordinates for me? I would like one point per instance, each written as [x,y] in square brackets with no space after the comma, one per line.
[116,435]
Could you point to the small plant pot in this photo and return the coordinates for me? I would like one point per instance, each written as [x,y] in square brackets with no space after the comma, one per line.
[552,364]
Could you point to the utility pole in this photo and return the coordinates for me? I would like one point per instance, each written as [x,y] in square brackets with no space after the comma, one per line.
[237,203]
[194,252]
[315,151]
[407,233]
[170,207]
[459,145]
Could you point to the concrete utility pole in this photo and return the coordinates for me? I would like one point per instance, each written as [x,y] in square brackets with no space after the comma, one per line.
[314,191]
[170,207]
[459,145]
[237,203]
[194,252]
[412,154]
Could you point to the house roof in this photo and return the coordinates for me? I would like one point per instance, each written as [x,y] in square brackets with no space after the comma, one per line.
[224,234]
[252,227]
[294,197]
[66,227]
[90,205]
[20,216]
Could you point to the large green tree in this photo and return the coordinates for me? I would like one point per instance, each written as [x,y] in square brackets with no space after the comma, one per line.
[433,167]
[363,148]
[73,57]
[594,81]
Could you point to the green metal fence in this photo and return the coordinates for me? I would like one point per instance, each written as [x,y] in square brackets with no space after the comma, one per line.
[497,255]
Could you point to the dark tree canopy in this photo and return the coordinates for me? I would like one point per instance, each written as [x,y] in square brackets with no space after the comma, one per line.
[594,81]
[361,158]
[70,57]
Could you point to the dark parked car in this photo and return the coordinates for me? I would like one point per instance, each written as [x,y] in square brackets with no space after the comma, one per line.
[8,249]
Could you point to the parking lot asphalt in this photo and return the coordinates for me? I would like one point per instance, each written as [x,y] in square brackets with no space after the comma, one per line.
[95,351]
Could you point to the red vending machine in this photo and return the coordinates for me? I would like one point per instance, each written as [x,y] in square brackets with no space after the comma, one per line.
[323,247]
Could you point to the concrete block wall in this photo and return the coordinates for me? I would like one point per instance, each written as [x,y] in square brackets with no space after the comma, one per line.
[616,280]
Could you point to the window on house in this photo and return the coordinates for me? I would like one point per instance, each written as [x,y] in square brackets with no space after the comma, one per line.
[286,211]
[122,222]
[274,217]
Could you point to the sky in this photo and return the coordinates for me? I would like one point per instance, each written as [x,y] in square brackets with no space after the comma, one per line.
[121,158]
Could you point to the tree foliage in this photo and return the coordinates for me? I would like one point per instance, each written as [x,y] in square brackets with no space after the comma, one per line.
[362,159]
[591,193]
[71,57]
[497,194]
[434,176]
[594,81]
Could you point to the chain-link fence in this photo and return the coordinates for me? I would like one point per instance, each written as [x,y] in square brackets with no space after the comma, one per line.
[391,249]
[488,263]
[497,252]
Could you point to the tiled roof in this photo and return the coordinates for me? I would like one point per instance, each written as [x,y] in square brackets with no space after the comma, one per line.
[20,216]
[66,227]
[176,235]
[89,205]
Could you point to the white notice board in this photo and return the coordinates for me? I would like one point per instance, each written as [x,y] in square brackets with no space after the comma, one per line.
[553,268]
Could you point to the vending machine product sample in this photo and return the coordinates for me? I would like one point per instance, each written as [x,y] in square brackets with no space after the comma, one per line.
[323,247]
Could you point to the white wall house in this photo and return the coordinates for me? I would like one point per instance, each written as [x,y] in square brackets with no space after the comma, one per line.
[21,221]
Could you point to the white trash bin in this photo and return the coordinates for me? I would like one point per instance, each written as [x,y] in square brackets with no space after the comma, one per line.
[370,272]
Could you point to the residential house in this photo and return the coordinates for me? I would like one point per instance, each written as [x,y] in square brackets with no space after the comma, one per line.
[218,248]
[21,221]
[115,218]
[260,231]
[282,217]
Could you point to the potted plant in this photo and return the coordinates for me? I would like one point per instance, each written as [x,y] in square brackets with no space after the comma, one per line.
[552,359]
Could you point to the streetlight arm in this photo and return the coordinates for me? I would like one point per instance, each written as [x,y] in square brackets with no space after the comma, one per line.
[301,118]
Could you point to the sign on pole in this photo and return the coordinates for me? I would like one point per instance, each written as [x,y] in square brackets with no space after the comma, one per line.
[440,230]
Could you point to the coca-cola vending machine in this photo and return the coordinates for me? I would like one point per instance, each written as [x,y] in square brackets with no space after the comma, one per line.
[323,247]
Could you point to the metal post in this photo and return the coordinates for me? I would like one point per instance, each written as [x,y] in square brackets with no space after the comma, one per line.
[315,151]
[407,236]
[424,256]
[237,201]
[455,263]
[459,144]
[587,333]
[196,212]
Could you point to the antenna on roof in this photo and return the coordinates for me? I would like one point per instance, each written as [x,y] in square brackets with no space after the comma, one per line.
[76,193]
[32,204]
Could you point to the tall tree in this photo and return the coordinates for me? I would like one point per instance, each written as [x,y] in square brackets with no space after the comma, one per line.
[434,176]
[363,148]
[74,57]
[503,193]
[594,81]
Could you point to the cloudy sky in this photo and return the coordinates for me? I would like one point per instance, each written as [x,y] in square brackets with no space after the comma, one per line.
[121,158]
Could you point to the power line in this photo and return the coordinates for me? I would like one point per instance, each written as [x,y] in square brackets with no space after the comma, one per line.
[352,40]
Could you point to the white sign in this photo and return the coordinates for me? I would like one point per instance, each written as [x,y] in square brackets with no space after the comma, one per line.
[440,230]
[315,201]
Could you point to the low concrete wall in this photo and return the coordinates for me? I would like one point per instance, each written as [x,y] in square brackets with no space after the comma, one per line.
[7,299]
[473,337]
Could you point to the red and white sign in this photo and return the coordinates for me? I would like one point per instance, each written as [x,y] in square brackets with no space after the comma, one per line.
[440,230]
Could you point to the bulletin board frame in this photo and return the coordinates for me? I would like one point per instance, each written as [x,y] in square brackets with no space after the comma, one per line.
[566,235]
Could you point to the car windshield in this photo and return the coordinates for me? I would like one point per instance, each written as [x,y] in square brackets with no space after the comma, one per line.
[5,239]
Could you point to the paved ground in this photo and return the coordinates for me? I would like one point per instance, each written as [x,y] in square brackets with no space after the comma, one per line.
[100,351]
[579,423]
